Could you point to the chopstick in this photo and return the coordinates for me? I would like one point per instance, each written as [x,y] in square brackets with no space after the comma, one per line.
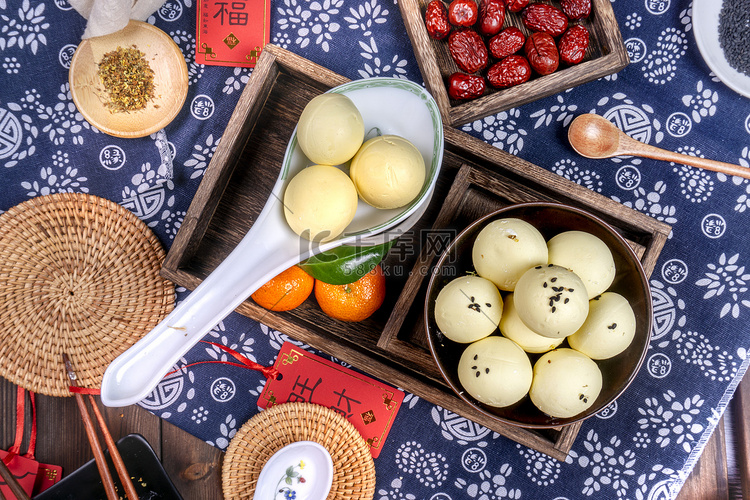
[12,483]
[101,462]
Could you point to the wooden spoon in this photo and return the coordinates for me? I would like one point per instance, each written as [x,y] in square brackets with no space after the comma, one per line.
[593,136]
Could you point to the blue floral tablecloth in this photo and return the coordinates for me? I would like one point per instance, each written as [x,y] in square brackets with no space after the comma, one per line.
[642,447]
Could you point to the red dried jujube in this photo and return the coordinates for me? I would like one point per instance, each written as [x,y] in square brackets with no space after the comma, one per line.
[463,13]
[468,50]
[491,17]
[517,5]
[576,9]
[545,18]
[542,53]
[436,20]
[512,70]
[573,44]
[507,42]
[463,86]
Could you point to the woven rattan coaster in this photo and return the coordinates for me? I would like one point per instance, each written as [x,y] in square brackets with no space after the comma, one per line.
[272,429]
[78,274]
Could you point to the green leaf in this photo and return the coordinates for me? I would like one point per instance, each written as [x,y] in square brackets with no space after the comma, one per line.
[345,264]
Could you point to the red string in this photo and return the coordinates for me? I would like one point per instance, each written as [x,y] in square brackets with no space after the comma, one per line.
[21,425]
[32,438]
[84,390]
[20,414]
[268,371]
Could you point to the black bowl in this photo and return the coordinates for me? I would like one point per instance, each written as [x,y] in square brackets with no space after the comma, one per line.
[630,282]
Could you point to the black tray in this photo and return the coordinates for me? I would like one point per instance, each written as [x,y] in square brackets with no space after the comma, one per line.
[149,477]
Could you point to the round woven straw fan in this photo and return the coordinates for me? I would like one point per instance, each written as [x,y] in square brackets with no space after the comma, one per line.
[272,429]
[78,275]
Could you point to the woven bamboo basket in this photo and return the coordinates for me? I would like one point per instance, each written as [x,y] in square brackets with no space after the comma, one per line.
[78,275]
[272,429]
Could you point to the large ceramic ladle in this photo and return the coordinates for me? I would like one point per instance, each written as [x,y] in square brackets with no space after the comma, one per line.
[593,136]
[393,106]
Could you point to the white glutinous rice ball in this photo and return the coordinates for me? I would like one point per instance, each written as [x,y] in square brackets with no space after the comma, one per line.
[330,129]
[587,256]
[565,383]
[388,171]
[516,330]
[495,371]
[505,249]
[319,202]
[609,328]
[551,301]
[468,309]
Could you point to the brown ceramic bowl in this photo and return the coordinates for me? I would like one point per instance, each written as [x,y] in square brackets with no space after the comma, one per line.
[630,281]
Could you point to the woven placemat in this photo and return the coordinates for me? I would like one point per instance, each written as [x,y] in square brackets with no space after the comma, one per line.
[272,429]
[79,275]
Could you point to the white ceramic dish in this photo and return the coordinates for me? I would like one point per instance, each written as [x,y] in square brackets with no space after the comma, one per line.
[391,105]
[280,476]
[706,29]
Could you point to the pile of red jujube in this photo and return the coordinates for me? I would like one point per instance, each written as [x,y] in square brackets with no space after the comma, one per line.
[476,36]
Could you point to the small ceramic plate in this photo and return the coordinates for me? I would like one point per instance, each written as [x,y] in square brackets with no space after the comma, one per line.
[706,29]
[170,81]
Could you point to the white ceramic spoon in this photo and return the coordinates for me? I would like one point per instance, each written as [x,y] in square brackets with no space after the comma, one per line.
[308,460]
[392,105]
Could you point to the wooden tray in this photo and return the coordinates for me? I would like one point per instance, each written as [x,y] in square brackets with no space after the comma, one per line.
[390,345]
[606,54]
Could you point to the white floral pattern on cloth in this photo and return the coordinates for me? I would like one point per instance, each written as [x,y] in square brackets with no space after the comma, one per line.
[641,447]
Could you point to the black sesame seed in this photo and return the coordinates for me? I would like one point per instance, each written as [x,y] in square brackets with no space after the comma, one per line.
[566,301]
[476,357]
[474,367]
[486,370]
[612,326]
[544,285]
[553,280]
[538,267]
[476,375]
[734,30]
[554,309]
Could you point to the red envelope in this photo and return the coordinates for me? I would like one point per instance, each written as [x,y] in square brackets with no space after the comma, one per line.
[24,470]
[232,32]
[371,406]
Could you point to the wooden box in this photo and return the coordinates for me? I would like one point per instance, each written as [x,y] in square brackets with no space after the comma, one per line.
[606,54]
[475,179]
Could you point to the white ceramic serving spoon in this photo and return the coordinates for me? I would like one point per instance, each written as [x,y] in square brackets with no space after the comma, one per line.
[302,459]
[393,106]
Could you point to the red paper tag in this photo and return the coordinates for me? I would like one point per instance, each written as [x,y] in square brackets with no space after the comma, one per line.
[46,476]
[232,32]
[368,404]
[24,469]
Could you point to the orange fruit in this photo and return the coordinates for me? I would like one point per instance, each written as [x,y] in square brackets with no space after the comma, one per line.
[286,290]
[353,302]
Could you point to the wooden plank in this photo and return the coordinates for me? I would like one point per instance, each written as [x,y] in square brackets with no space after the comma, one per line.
[741,413]
[709,478]
[61,438]
[193,465]
[606,55]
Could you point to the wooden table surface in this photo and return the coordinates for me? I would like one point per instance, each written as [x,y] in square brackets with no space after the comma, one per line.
[195,467]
